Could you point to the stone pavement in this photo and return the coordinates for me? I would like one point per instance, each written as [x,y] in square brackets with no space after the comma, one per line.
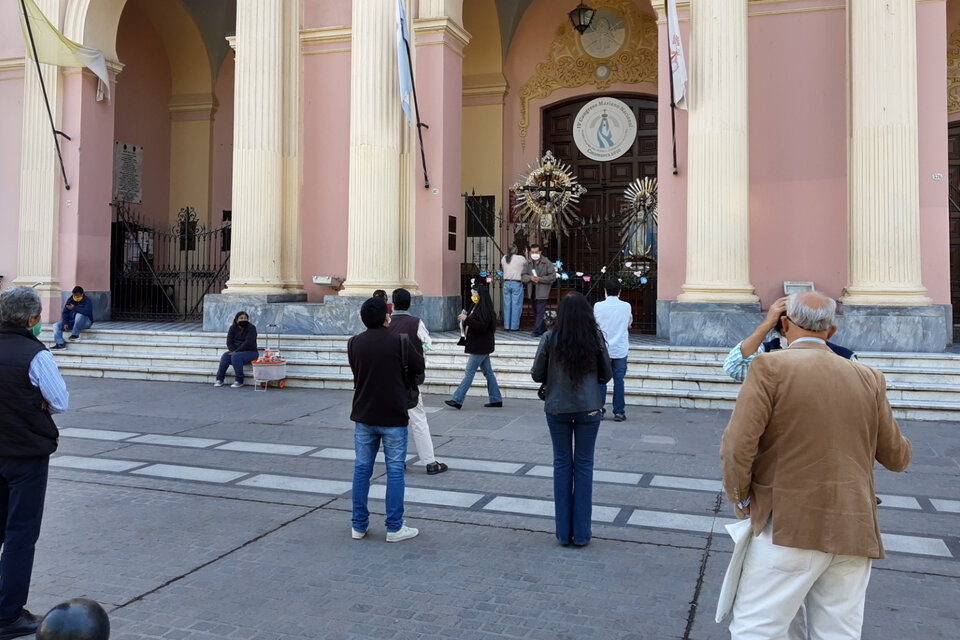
[195,512]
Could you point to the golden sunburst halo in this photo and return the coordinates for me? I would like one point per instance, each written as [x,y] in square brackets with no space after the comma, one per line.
[548,196]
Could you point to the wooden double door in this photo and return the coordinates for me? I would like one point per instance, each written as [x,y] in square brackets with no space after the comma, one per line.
[595,242]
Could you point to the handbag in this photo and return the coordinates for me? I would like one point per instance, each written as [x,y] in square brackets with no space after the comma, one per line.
[412,392]
[542,391]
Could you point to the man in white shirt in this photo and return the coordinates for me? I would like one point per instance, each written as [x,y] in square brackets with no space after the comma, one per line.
[614,317]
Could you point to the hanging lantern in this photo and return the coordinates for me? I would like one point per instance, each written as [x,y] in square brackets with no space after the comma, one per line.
[581,17]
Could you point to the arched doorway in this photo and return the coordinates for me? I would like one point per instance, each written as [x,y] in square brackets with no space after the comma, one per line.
[594,247]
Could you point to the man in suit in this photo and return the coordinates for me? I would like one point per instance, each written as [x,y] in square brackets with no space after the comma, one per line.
[798,459]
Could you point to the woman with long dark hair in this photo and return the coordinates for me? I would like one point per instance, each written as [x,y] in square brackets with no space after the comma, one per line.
[571,361]
[242,345]
[512,265]
[481,326]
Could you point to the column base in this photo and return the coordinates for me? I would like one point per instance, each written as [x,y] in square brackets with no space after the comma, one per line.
[335,316]
[254,289]
[911,329]
[709,324]
[696,293]
[356,290]
[915,297]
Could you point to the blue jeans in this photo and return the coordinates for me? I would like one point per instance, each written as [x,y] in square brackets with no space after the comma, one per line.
[473,363]
[23,487]
[512,304]
[80,322]
[366,443]
[239,359]
[574,436]
[619,366]
[539,309]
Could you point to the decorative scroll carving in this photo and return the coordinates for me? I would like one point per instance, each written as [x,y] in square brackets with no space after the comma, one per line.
[953,73]
[570,66]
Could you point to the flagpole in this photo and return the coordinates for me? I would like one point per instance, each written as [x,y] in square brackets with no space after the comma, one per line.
[673,104]
[420,125]
[46,100]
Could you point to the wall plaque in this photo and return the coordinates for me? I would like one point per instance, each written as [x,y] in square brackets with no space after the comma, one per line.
[127,172]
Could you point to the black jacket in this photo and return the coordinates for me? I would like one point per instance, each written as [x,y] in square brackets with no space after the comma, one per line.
[242,339]
[380,396]
[562,395]
[26,428]
[403,322]
[481,338]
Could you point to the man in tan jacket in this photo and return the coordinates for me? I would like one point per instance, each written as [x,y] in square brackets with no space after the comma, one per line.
[798,458]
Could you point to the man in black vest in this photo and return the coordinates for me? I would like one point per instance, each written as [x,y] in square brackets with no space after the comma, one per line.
[31,389]
[380,402]
[401,321]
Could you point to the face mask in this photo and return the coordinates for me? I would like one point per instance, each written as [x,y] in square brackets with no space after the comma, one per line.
[475,299]
[534,256]
[37,328]
[242,323]
[77,298]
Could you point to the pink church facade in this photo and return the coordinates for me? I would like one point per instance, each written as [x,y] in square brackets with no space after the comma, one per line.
[802,156]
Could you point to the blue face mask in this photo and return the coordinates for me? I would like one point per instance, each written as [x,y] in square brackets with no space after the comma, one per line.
[37,328]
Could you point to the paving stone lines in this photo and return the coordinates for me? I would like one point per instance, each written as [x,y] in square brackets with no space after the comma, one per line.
[622,515]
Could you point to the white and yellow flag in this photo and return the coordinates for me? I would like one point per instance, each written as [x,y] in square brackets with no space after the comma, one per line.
[678,66]
[52,47]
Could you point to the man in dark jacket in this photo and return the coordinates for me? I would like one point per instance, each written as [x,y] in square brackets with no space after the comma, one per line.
[539,274]
[380,403]
[31,388]
[402,321]
[76,316]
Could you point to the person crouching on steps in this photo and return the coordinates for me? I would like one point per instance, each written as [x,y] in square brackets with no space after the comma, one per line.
[242,345]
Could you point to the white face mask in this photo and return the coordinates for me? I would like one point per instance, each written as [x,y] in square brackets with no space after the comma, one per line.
[534,256]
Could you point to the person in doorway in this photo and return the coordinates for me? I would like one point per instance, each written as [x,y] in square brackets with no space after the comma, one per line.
[33,389]
[539,274]
[402,321]
[572,360]
[242,349]
[614,317]
[512,265]
[481,327]
[380,402]
[76,316]
[798,457]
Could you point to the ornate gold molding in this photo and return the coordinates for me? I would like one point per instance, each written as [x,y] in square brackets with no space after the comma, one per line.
[953,73]
[569,66]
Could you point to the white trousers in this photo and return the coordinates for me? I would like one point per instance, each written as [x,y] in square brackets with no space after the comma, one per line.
[776,580]
[421,432]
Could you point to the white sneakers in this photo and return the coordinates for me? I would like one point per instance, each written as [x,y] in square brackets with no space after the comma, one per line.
[236,385]
[218,383]
[405,533]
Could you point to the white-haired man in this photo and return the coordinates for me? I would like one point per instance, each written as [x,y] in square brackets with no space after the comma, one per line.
[798,459]
[31,388]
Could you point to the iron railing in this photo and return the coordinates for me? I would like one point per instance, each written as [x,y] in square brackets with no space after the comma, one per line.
[164,274]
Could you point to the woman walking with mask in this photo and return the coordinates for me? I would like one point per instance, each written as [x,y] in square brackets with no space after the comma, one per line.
[480,325]
[571,360]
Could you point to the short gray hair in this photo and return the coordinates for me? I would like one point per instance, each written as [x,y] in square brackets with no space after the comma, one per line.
[811,310]
[18,305]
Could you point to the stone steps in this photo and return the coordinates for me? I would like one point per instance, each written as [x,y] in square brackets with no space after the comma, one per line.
[920,386]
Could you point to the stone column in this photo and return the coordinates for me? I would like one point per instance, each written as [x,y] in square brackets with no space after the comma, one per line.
[258,187]
[883,208]
[718,175]
[376,126]
[292,277]
[40,181]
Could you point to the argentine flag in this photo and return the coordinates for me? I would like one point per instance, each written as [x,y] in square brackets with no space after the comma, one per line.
[403,58]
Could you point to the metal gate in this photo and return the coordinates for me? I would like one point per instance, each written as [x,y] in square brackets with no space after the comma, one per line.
[164,274]
[595,249]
